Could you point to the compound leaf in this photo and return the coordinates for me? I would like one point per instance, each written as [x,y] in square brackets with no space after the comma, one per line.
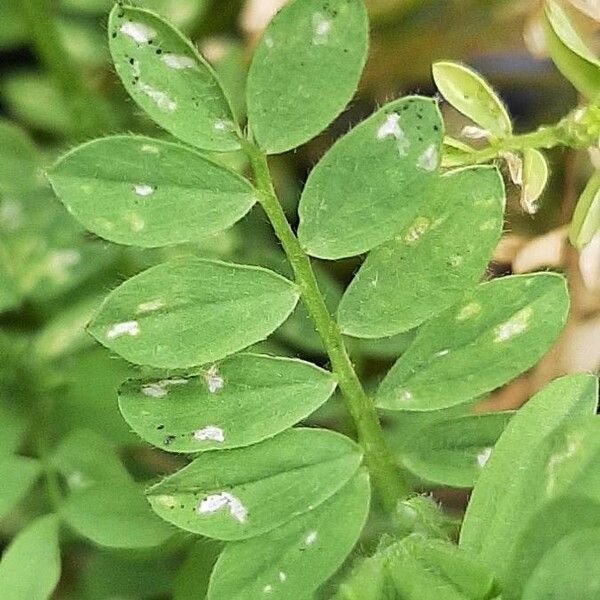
[240,401]
[374,181]
[30,566]
[191,311]
[498,332]
[145,192]
[570,53]
[290,562]
[165,75]
[472,96]
[502,500]
[392,293]
[17,474]
[241,493]
[305,70]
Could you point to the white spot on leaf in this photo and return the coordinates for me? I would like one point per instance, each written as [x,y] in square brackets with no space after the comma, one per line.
[179,62]
[391,128]
[484,456]
[322,28]
[557,459]
[117,330]
[428,161]
[150,306]
[161,99]
[144,190]
[405,395]
[468,311]
[268,589]
[475,133]
[456,260]
[61,260]
[210,433]
[217,502]
[417,229]
[149,149]
[513,327]
[282,576]
[159,389]
[311,538]
[139,32]
[214,381]
[442,353]
[269,43]
[136,222]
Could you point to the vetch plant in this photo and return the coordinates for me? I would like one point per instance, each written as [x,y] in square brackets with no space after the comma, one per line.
[288,503]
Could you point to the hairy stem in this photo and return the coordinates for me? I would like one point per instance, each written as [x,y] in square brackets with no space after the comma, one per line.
[388,481]
[88,119]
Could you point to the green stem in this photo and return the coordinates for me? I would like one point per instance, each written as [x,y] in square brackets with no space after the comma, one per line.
[88,119]
[387,478]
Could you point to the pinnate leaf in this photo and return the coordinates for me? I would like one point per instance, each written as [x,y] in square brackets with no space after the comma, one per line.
[502,500]
[165,75]
[374,181]
[290,562]
[495,334]
[393,293]
[145,192]
[305,70]
[191,311]
[241,493]
[237,402]
[30,566]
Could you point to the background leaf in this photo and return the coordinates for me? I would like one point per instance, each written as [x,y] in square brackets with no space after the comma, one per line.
[165,75]
[586,219]
[241,493]
[305,70]
[372,182]
[30,566]
[134,190]
[17,474]
[237,402]
[502,329]
[501,501]
[190,311]
[293,560]
[393,293]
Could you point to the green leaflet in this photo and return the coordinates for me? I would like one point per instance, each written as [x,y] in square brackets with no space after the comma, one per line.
[13,31]
[417,568]
[19,162]
[85,459]
[305,70]
[30,566]
[165,75]
[241,493]
[568,569]
[586,219]
[535,177]
[190,311]
[570,53]
[17,474]
[374,181]
[237,402]
[290,562]
[471,95]
[452,451]
[116,517]
[545,533]
[502,499]
[145,192]
[498,332]
[393,292]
